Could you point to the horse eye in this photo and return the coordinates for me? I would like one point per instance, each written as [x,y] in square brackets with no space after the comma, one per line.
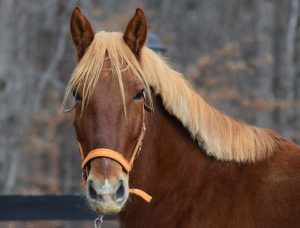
[139,95]
[77,96]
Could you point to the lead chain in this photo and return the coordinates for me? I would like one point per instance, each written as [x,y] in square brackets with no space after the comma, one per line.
[98,221]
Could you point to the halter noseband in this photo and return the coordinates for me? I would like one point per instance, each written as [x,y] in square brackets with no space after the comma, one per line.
[108,153]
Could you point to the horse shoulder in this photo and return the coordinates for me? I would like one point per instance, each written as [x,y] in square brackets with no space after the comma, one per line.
[279,201]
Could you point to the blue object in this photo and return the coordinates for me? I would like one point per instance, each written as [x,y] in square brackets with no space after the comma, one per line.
[155,44]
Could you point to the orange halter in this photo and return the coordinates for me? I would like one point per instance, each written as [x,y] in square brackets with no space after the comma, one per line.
[104,152]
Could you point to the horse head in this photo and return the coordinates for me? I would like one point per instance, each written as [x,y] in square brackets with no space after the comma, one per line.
[110,109]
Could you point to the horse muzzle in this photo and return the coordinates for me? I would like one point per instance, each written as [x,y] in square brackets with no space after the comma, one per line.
[107,197]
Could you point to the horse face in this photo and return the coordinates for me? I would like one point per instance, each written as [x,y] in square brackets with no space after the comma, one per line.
[103,124]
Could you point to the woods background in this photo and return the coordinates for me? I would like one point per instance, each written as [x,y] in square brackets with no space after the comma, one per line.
[242,56]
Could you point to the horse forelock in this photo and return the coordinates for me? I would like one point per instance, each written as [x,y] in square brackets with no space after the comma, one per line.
[220,136]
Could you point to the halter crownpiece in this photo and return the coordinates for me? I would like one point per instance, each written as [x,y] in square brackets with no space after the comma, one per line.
[108,153]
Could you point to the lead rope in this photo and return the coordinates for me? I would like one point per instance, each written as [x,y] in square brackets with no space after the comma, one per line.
[98,221]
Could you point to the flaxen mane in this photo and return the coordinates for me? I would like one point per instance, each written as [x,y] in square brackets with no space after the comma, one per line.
[220,136]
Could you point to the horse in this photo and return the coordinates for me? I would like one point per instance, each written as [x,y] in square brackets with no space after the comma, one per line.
[157,154]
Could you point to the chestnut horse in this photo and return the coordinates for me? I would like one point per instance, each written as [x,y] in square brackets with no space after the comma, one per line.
[140,124]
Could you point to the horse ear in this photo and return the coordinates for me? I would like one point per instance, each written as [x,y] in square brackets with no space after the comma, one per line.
[82,32]
[136,32]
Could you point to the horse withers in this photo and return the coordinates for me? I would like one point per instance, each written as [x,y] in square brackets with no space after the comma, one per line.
[157,154]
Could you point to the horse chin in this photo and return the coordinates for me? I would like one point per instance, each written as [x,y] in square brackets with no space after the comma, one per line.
[110,208]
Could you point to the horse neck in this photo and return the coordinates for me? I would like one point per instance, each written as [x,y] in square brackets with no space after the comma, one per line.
[168,157]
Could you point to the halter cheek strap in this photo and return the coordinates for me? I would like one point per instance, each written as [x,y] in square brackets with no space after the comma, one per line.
[127,166]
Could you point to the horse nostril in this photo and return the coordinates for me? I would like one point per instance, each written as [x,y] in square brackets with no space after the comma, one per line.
[106,193]
[91,190]
[120,191]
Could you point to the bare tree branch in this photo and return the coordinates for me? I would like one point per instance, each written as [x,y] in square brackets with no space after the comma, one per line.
[50,72]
